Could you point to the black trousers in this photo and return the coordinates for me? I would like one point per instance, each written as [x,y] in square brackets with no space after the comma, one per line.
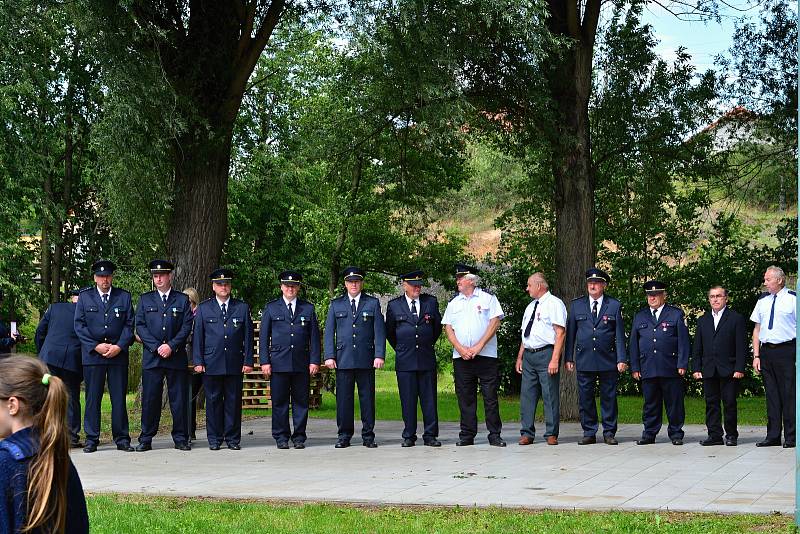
[152,389]
[94,377]
[73,382]
[468,375]
[778,370]
[667,392]
[223,408]
[421,385]
[608,401]
[197,385]
[287,388]
[725,389]
[346,380]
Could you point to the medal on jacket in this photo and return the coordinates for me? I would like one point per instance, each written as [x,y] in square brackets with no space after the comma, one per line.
[479,308]
[664,326]
[174,312]
[302,321]
[605,319]
[364,315]
[427,318]
[116,313]
[235,322]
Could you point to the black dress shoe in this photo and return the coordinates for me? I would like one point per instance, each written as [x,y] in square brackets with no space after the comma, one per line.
[370,444]
[126,447]
[234,446]
[769,443]
[407,442]
[677,441]
[433,443]
[142,447]
[788,445]
[464,443]
[731,442]
[497,442]
[214,447]
[645,441]
[282,445]
[610,440]
[183,446]
[90,447]
[711,441]
[299,445]
[587,440]
[342,444]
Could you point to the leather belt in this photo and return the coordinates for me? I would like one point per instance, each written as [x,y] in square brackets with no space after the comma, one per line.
[776,345]
[540,349]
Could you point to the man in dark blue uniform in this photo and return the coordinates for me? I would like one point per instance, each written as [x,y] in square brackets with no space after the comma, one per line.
[289,354]
[7,338]
[596,348]
[163,323]
[59,347]
[355,345]
[222,349]
[413,324]
[659,350]
[104,324]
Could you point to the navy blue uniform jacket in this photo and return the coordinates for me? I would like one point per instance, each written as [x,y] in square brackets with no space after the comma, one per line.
[355,342]
[659,349]
[56,341]
[16,453]
[413,340]
[97,324]
[595,344]
[157,324]
[289,344]
[223,347]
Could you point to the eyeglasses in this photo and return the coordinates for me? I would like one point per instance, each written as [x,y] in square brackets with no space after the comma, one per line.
[717,296]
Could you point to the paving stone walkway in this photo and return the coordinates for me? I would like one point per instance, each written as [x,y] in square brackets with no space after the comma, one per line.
[743,479]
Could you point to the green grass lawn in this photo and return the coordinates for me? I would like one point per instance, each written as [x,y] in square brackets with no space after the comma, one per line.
[131,513]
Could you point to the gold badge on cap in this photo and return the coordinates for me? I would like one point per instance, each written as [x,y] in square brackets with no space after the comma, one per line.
[290,277]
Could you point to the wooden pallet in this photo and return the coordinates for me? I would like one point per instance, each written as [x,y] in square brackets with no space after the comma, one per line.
[256,390]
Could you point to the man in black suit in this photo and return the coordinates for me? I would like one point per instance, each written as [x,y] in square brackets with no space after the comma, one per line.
[59,347]
[718,359]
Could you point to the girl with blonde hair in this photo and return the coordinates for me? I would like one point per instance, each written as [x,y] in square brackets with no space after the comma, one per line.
[42,490]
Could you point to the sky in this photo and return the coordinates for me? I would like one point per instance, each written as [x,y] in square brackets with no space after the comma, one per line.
[702,40]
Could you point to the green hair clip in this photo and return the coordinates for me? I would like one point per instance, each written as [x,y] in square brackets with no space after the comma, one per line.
[46,379]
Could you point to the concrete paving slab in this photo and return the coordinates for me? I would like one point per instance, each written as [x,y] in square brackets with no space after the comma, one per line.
[568,476]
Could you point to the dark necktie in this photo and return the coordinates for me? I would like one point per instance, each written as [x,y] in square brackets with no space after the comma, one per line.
[530,321]
[105,301]
[594,310]
[654,315]
[164,297]
[224,310]
[291,313]
[414,309]
[353,307]
[772,312]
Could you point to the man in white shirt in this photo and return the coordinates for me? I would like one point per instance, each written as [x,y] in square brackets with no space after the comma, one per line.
[471,321]
[774,339]
[543,332]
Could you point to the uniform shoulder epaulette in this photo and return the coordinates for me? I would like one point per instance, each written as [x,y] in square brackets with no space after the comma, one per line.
[397,298]
[762,295]
[275,300]
[578,298]
[85,289]
[792,293]
[209,298]
[427,296]
[488,292]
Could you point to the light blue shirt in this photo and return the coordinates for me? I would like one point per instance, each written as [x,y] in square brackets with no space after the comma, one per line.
[470,316]
[784,321]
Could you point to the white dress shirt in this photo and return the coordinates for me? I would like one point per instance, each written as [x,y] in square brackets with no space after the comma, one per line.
[470,316]
[550,311]
[784,320]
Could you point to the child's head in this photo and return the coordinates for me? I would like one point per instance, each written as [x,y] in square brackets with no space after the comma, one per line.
[25,386]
